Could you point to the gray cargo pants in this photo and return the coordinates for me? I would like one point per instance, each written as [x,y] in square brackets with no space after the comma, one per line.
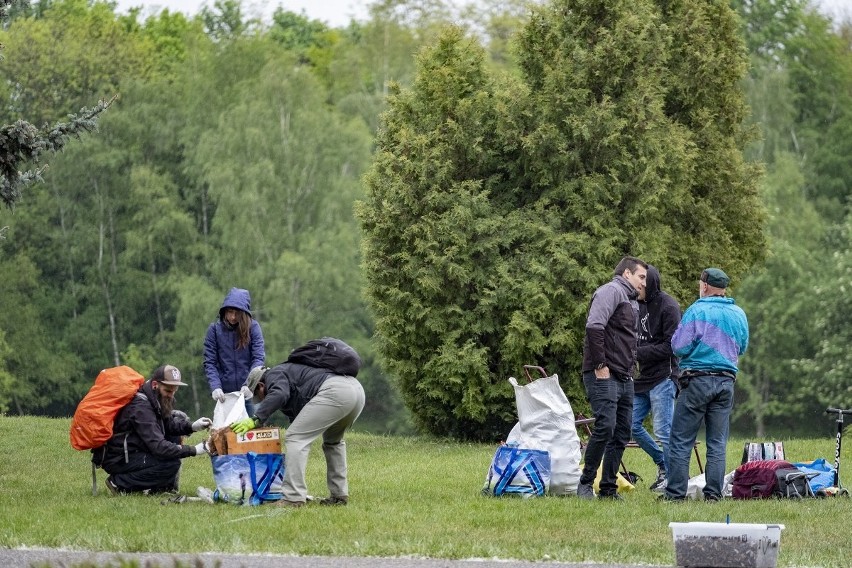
[329,413]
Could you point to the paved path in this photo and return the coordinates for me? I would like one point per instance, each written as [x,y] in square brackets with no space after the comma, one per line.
[26,558]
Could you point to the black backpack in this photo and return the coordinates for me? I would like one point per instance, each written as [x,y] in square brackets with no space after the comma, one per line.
[793,483]
[328,353]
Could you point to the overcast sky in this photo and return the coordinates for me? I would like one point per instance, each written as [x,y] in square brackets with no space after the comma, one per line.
[337,13]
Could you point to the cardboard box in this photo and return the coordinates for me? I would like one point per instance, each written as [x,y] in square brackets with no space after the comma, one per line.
[259,440]
[726,545]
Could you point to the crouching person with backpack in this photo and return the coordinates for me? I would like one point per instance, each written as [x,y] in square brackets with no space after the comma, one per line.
[318,401]
[144,451]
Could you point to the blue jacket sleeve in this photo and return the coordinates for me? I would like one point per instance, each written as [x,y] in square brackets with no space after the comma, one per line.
[258,352]
[211,357]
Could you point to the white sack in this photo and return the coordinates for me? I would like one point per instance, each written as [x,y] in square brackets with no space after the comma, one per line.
[228,412]
[546,422]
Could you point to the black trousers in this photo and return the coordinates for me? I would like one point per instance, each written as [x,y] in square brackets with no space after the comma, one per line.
[145,472]
[612,404]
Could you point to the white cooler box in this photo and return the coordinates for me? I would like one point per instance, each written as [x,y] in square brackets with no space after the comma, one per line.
[726,545]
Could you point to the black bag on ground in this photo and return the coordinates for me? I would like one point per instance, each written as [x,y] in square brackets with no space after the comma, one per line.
[793,483]
[328,353]
[760,480]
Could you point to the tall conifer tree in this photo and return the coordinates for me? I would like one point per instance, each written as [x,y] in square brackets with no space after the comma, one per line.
[494,209]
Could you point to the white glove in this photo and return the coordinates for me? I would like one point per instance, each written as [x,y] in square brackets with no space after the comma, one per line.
[247,394]
[219,395]
[200,449]
[201,424]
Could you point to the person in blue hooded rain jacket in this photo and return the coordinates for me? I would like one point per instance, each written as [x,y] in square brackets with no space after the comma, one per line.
[233,346]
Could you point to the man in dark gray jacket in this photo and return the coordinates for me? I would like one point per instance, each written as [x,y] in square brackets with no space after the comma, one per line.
[609,355]
[319,402]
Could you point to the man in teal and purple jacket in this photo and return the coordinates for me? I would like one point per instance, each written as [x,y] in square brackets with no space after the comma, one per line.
[709,340]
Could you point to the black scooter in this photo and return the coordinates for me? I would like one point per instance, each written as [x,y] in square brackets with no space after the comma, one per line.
[836,489]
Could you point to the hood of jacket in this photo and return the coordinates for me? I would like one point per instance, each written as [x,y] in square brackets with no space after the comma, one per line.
[652,284]
[236,298]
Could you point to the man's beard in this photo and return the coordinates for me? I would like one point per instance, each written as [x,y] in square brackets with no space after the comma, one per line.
[167,403]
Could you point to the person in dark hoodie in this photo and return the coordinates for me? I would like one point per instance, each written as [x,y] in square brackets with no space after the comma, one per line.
[654,389]
[144,452]
[609,357]
[318,402]
[233,346]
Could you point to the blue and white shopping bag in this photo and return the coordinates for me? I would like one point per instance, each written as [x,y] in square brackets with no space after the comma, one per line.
[518,471]
[248,478]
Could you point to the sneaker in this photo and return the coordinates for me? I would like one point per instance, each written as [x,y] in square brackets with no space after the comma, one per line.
[661,482]
[175,498]
[611,497]
[333,500]
[585,491]
[112,487]
[666,499]
[712,498]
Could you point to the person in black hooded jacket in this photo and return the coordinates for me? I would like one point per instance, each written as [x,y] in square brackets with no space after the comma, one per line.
[319,402]
[654,388]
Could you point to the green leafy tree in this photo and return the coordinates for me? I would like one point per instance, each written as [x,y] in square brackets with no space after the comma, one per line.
[57,61]
[791,36]
[171,38]
[68,57]
[310,40]
[7,381]
[722,223]
[779,301]
[373,54]
[224,22]
[827,372]
[39,362]
[108,231]
[796,88]
[197,304]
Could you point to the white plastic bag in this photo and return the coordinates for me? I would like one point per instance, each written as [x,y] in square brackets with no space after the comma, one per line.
[728,485]
[228,412]
[695,487]
[546,422]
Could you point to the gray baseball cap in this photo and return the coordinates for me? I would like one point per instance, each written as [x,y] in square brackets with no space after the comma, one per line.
[168,375]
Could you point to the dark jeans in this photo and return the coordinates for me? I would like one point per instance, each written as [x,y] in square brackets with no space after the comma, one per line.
[612,407]
[145,472]
[710,400]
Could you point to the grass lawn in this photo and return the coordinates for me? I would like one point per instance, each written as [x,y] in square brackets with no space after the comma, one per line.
[409,496]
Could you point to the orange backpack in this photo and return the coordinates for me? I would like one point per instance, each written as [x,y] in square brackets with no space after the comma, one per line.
[91,426]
